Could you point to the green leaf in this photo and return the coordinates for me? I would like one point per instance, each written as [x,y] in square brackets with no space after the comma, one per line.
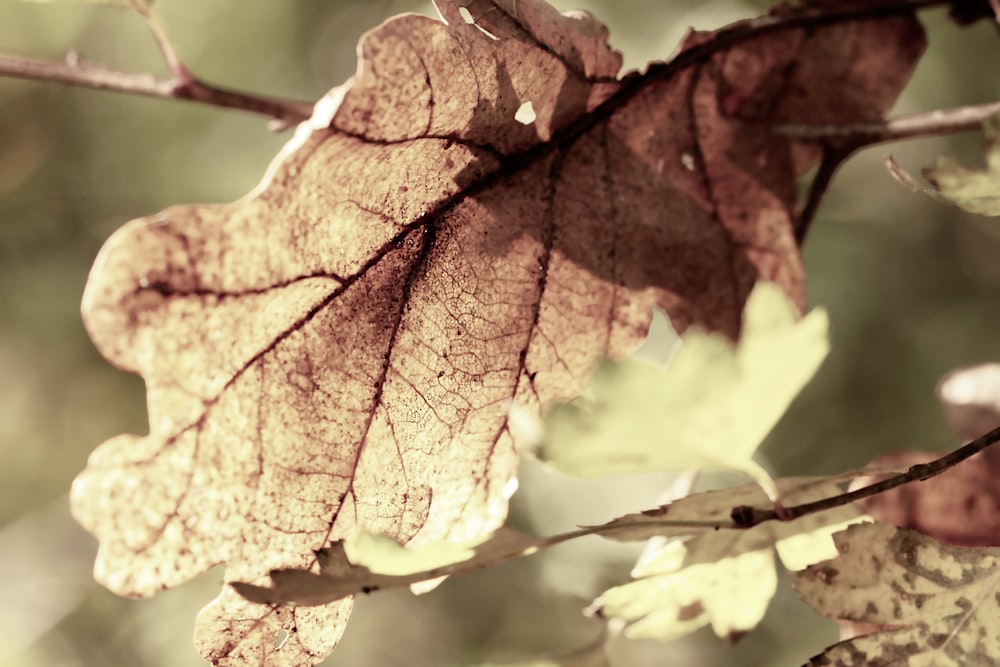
[942,603]
[383,555]
[710,407]
[669,600]
[723,578]
[973,190]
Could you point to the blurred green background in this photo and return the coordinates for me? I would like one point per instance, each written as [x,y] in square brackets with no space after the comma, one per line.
[913,289]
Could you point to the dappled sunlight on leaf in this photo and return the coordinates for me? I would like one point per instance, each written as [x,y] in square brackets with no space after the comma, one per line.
[940,603]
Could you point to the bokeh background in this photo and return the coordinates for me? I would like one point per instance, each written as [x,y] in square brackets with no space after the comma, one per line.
[913,289]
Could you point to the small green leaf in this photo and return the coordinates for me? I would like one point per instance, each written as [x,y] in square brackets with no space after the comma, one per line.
[725,577]
[383,555]
[973,190]
[668,600]
[709,408]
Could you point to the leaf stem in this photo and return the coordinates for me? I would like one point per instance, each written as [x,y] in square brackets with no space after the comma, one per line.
[747,517]
[75,72]
[830,162]
[181,74]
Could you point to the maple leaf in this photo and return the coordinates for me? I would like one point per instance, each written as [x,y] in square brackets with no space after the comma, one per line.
[973,190]
[940,600]
[710,407]
[723,576]
[337,351]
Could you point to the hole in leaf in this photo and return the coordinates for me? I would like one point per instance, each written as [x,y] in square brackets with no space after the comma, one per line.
[471,20]
[525,114]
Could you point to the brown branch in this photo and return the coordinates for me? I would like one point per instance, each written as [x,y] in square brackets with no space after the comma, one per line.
[185,86]
[831,161]
[176,66]
[77,73]
[839,142]
[854,136]
[747,517]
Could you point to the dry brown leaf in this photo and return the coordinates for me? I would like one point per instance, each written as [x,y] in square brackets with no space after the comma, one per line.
[339,349]
[962,505]
[959,507]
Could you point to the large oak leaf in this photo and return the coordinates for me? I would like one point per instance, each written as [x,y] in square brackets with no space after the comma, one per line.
[339,349]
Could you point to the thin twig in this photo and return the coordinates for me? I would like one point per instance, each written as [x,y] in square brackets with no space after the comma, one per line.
[831,161]
[839,142]
[854,136]
[78,73]
[288,111]
[177,68]
[748,517]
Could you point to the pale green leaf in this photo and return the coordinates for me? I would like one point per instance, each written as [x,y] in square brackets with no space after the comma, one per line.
[669,601]
[383,555]
[942,602]
[797,552]
[709,408]
[724,577]
[976,191]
